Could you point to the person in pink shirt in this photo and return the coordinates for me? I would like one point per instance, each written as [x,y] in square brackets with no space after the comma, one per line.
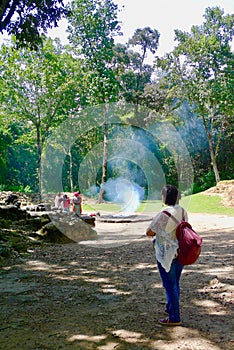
[66,203]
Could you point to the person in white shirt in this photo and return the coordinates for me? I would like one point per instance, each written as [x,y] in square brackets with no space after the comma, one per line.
[163,228]
[58,201]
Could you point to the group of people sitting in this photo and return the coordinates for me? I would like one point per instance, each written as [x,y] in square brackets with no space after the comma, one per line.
[62,201]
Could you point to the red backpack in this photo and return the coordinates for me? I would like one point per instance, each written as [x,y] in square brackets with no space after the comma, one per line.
[190,242]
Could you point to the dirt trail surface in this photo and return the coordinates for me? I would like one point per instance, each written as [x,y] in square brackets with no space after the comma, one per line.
[107,295]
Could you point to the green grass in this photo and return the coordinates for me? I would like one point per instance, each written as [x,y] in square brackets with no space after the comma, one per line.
[196,203]
[108,207]
[201,203]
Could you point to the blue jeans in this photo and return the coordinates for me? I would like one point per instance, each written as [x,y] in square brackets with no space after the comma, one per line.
[171,283]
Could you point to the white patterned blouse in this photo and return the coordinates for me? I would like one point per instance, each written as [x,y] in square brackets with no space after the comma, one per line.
[164,227]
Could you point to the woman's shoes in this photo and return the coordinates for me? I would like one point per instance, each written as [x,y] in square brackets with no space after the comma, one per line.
[167,322]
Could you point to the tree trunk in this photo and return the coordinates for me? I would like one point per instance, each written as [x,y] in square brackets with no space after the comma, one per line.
[105,156]
[39,151]
[211,149]
[70,170]
[213,159]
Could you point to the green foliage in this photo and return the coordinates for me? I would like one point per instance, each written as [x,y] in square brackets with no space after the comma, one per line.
[147,39]
[39,89]
[5,252]
[133,74]
[206,181]
[27,19]
[5,139]
[201,68]
[92,27]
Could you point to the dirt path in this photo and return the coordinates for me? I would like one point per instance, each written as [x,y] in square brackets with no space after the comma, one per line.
[79,296]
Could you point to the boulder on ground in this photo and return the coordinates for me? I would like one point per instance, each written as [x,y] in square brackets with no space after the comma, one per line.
[61,230]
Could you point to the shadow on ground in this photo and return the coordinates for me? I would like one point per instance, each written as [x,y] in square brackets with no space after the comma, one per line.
[80,297]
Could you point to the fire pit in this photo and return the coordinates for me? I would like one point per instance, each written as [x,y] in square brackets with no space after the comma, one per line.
[122,218]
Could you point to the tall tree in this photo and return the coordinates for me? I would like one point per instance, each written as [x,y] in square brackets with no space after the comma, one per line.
[5,139]
[38,89]
[27,19]
[146,39]
[92,27]
[201,66]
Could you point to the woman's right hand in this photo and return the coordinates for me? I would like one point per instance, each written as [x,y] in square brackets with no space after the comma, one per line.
[150,233]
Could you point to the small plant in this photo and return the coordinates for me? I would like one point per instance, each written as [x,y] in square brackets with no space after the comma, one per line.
[27,189]
[5,251]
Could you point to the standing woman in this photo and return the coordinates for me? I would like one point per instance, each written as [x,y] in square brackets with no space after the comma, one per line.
[164,229]
[76,204]
[66,203]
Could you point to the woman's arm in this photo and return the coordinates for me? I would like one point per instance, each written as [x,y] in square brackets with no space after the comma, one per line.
[149,231]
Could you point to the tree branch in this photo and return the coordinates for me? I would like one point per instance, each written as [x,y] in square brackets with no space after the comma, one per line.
[3,8]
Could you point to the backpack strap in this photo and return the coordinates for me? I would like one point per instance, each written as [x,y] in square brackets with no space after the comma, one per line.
[183,217]
[173,218]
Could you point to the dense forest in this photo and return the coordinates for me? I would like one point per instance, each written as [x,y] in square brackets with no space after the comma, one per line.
[79,109]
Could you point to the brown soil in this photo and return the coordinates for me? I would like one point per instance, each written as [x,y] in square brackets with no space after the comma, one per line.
[224,189]
[109,296]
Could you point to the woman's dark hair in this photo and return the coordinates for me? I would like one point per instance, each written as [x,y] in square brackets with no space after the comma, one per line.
[171,194]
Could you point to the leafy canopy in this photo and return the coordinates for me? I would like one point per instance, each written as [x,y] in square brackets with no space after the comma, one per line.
[27,19]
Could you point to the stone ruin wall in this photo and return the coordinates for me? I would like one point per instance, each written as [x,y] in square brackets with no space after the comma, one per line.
[27,199]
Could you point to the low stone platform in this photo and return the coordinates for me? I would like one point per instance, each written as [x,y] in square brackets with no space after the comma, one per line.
[122,218]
